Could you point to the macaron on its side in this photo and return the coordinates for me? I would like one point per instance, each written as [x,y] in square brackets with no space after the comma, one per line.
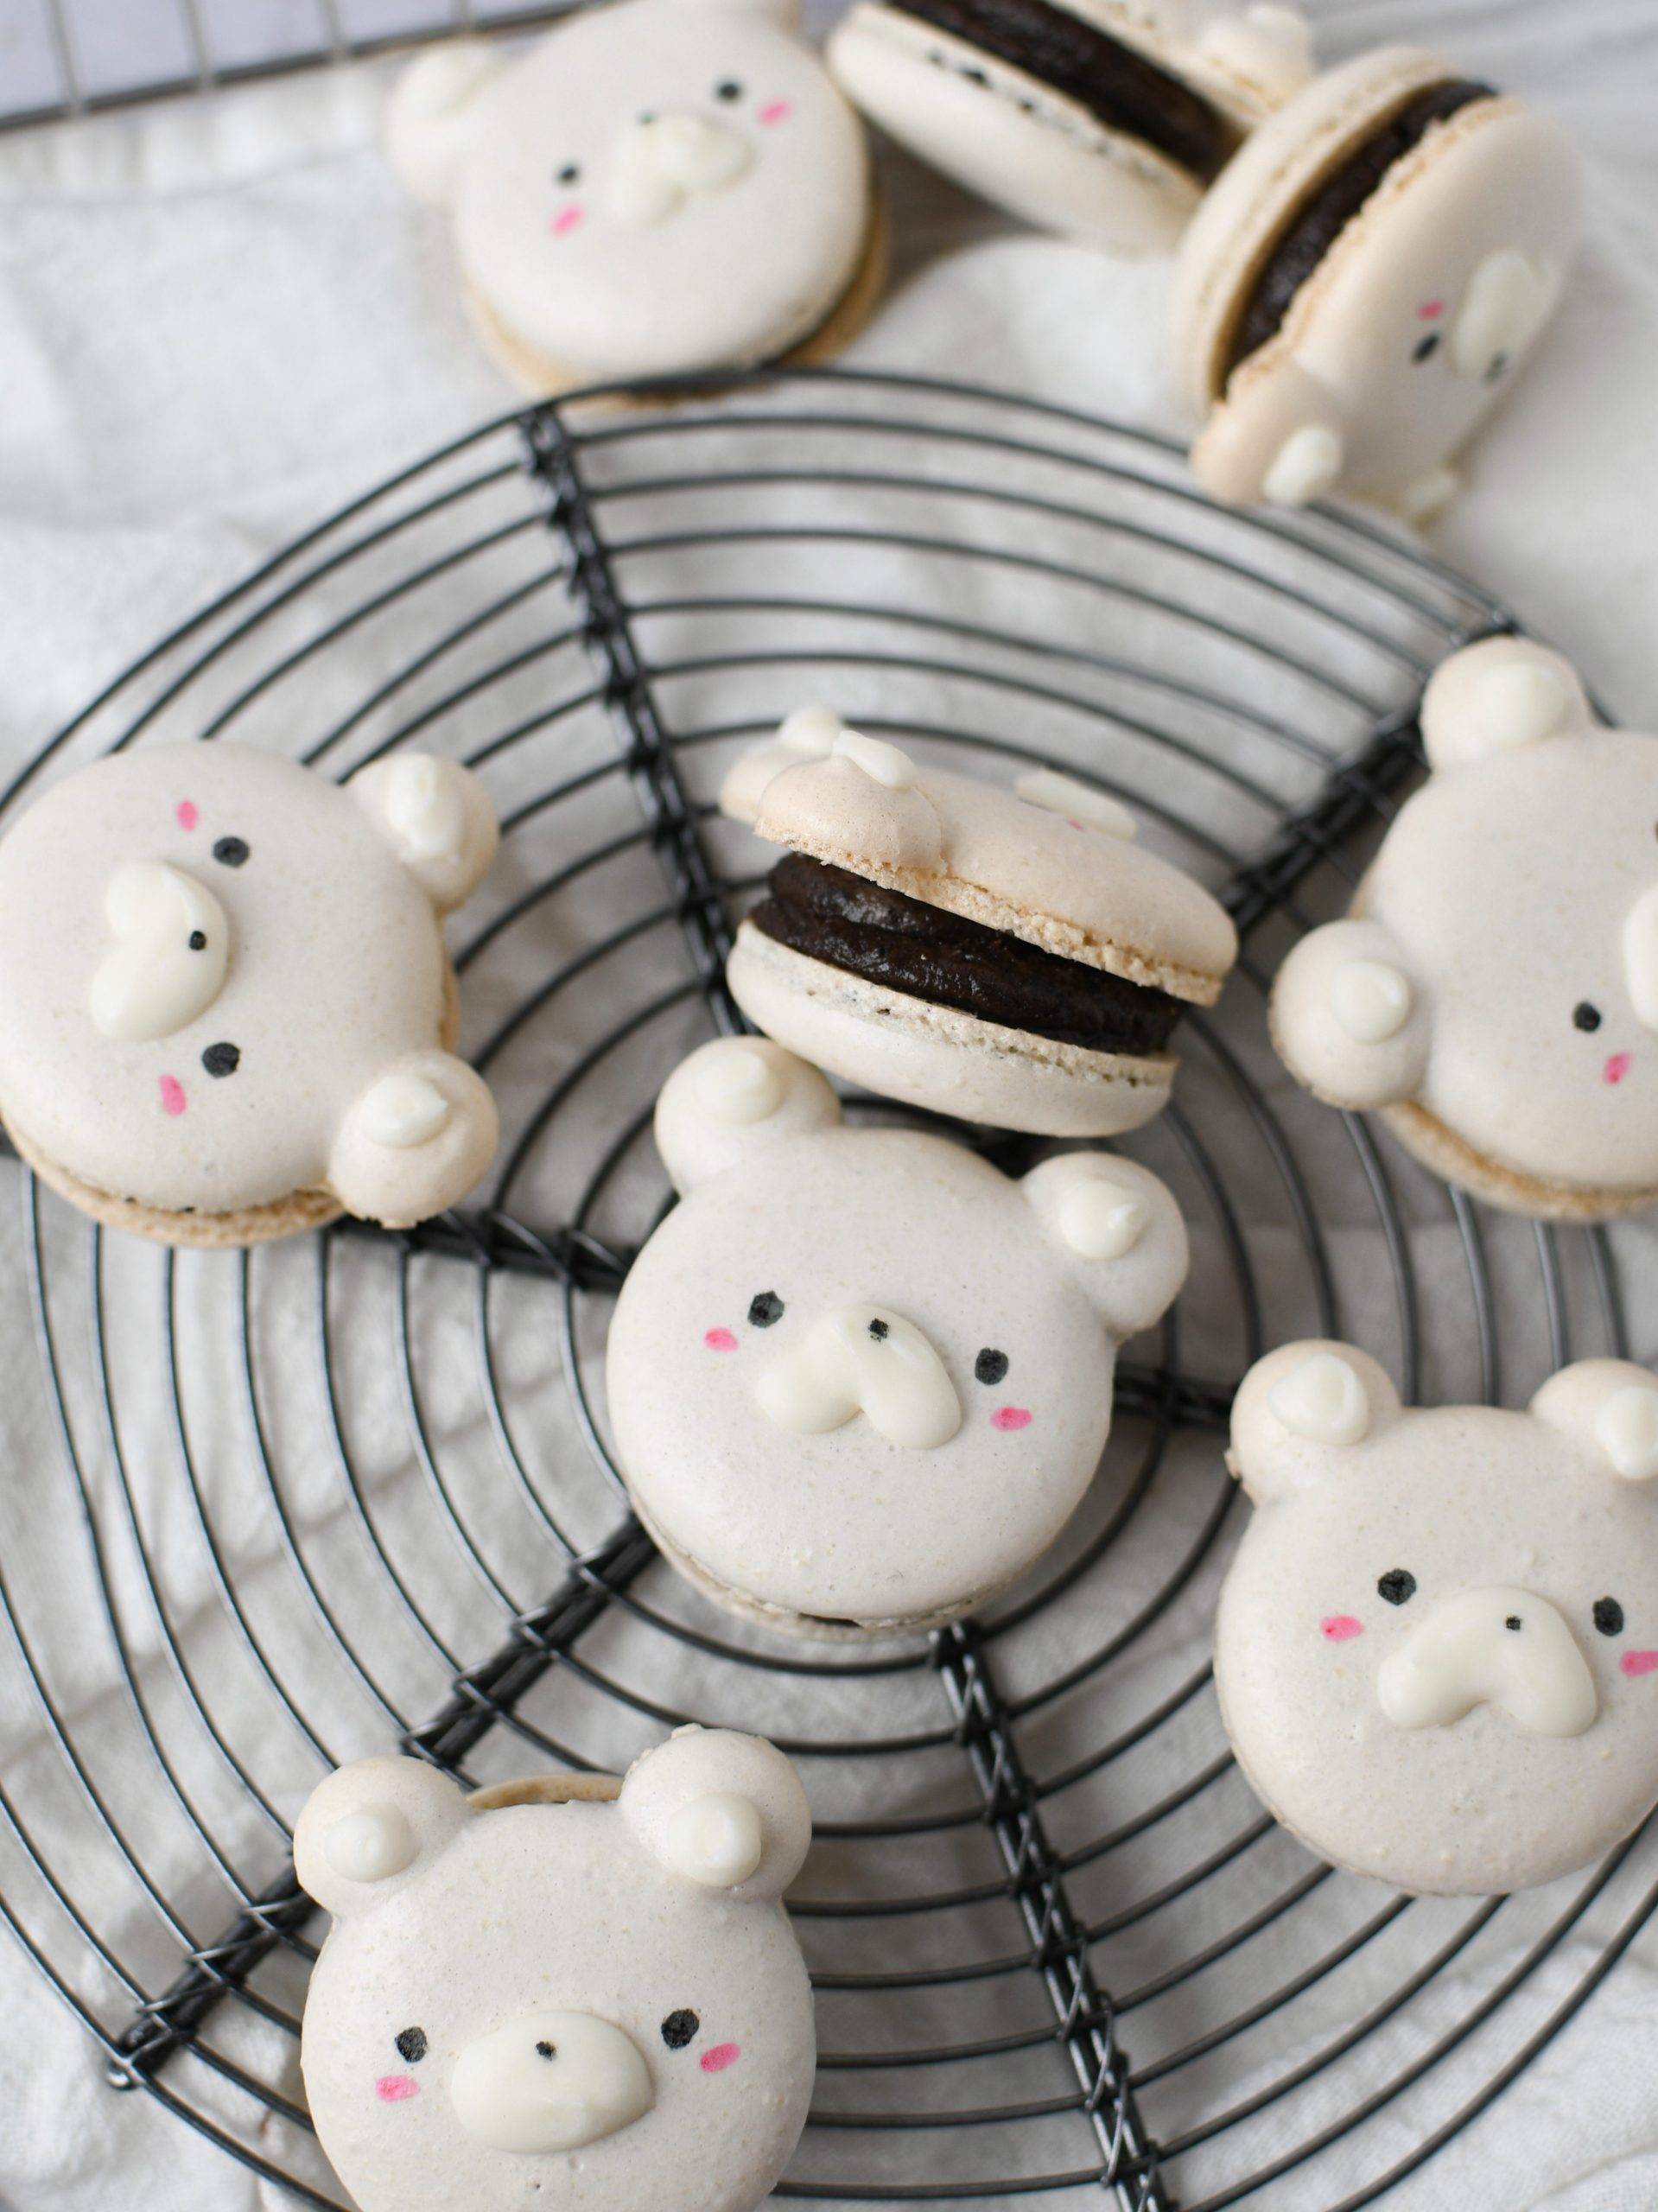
[1263,190]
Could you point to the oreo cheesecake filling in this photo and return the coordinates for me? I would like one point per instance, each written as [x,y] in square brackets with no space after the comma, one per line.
[1121,87]
[1320,221]
[831,915]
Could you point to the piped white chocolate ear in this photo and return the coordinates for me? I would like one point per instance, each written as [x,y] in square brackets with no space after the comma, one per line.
[1611,1405]
[172,947]
[1270,48]
[1120,1231]
[372,1826]
[431,115]
[415,1141]
[1508,300]
[731,1100]
[1301,1410]
[1078,802]
[1503,693]
[723,1810]
[887,765]
[1347,1021]
[436,817]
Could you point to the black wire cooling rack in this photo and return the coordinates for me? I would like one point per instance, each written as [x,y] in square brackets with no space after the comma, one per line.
[285,1507]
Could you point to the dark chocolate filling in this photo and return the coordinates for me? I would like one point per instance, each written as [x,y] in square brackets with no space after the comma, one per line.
[831,915]
[1121,87]
[1320,221]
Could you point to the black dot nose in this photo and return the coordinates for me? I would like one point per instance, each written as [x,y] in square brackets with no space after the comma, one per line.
[1512,1621]
[547,2050]
[880,1331]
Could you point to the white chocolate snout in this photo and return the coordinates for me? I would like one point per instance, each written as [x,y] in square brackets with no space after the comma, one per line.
[1640,958]
[1498,1646]
[661,160]
[867,1360]
[550,2081]
[172,948]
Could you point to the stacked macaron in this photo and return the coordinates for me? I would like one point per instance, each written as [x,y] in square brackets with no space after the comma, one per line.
[1009,956]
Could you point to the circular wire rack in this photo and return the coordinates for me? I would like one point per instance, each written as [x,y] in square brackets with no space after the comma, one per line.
[287,1506]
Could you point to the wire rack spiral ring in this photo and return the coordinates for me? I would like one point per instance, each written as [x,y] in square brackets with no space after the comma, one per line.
[296,1505]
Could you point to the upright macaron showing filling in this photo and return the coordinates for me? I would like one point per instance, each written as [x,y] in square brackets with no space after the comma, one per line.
[1363,280]
[1006,957]
[1086,116]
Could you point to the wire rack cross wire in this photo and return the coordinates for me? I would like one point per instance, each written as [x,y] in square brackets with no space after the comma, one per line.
[372,1457]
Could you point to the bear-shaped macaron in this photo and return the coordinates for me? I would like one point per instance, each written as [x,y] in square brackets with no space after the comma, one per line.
[1437,1648]
[574,1993]
[859,1379]
[1495,991]
[228,1003]
[656,186]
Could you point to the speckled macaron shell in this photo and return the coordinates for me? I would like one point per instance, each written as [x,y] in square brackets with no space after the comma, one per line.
[658,185]
[829,1478]
[284,1059]
[574,1930]
[1060,882]
[1037,152]
[1495,993]
[1467,239]
[1438,1643]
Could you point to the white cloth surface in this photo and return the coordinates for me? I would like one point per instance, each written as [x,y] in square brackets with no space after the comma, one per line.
[218,319]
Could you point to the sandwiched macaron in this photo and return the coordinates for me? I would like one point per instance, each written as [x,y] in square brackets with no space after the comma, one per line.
[1006,957]
[1363,281]
[1086,116]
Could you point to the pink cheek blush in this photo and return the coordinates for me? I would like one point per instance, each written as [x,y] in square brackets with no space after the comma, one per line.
[1639,1663]
[566,219]
[395,2088]
[1340,1628]
[1008,1417]
[1616,1068]
[172,1095]
[717,2060]
[720,1340]
[1429,311]
[186,813]
[776,111]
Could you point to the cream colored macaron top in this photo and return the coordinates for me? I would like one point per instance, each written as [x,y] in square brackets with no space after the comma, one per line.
[657,185]
[966,91]
[1436,1649]
[860,1376]
[1054,860]
[225,981]
[578,1994]
[1501,969]
[1410,322]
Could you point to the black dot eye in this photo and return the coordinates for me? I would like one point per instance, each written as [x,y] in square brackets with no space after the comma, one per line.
[727,89]
[1498,369]
[569,174]
[231,852]
[222,1059]
[1426,347]
[679,2029]
[1585,1016]
[1609,1616]
[765,1307]
[411,2045]
[880,1332]
[197,940]
[545,2050]
[1397,1584]
[990,1366]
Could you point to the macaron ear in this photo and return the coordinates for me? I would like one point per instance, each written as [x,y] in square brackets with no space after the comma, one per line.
[807,733]
[415,1141]
[1497,695]
[436,817]
[864,796]
[1268,48]
[1120,1231]
[1278,434]
[372,1828]
[432,115]
[1348,1020]
[1610,1407]
[1302,1411]
[732,1099]
[721,1811]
